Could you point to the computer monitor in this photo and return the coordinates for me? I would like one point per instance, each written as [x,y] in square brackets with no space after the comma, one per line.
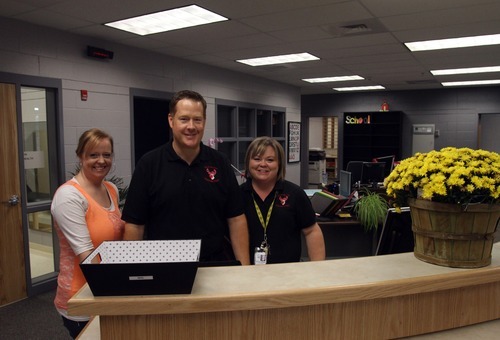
[355,168]
[389,163]
[372,173]
[345,183]
[396,235]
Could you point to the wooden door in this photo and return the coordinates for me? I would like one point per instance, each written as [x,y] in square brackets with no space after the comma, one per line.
[12,265]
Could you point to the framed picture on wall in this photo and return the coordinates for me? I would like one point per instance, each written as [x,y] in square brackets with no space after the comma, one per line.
[293,142]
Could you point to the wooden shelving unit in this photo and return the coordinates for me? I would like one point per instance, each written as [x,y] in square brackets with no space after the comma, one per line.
[331,168]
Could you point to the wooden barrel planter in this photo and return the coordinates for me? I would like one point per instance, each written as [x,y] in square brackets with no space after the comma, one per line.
[452,235]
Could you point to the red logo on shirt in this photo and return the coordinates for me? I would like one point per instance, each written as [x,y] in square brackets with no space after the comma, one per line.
[283,198]
[211,173]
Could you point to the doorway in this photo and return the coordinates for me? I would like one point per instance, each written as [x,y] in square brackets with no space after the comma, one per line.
[323,135]
[150,120]
[488,131]
[30,155]
[40,177]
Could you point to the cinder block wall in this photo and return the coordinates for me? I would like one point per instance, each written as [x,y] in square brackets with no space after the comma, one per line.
[27,49]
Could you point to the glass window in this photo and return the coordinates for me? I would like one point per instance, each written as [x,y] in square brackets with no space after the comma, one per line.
[35,144]
[41,243]
[37,175]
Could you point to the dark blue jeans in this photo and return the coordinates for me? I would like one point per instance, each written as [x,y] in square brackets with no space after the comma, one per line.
[74,327]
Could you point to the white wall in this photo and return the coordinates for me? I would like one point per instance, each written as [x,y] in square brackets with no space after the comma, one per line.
[316,133]
[38,51]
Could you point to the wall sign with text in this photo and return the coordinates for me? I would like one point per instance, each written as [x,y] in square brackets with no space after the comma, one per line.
[293,142]
[358,119]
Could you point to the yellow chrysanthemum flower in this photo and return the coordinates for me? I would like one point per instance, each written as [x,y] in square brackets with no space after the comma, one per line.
[452,175]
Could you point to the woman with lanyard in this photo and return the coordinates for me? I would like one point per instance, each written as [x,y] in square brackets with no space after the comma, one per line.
[277,210]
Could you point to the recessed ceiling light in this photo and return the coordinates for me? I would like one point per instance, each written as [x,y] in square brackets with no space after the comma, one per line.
[480,40]
[169,20]
[330,79]
[279,59]
[466,70]
[359,88]
[471,82]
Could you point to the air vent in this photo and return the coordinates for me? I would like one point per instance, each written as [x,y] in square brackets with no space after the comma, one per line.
[367,26]
[355,29]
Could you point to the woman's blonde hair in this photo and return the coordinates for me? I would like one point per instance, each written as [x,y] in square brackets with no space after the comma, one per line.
[257,148]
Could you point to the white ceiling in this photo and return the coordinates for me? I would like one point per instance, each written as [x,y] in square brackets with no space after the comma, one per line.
[270,27]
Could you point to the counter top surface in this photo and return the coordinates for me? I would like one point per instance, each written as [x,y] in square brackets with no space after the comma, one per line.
[281,285]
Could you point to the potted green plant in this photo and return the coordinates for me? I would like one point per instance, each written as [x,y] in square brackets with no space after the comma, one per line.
[370,209]
[122,189]
[453,195]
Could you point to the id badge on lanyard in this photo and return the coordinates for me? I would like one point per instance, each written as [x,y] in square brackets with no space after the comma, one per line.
[262,252]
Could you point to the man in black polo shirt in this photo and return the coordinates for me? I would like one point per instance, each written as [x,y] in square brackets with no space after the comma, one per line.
[186,190]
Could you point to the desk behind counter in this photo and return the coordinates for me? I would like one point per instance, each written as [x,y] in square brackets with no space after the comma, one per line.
[345,237]
[377,297]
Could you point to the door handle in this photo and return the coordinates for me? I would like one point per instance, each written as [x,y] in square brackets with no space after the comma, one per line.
[13,200]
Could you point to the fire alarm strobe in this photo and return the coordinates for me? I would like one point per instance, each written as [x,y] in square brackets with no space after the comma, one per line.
[99,53]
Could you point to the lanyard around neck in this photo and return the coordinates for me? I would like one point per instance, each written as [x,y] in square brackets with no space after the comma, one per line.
[259,213]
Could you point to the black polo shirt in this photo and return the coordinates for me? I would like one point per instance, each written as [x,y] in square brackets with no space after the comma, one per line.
[291,213]
[175,200]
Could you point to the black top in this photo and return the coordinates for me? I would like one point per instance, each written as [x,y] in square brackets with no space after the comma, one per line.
[291,213]
[175,200]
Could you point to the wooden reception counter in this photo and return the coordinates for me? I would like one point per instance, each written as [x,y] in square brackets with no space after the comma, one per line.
[380,297]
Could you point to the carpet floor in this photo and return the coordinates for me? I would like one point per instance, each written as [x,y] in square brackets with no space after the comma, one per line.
[34,318]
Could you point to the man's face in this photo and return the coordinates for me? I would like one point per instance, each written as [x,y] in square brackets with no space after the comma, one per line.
[188,124]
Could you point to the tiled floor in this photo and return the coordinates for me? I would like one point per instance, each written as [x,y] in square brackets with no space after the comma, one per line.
[41,259]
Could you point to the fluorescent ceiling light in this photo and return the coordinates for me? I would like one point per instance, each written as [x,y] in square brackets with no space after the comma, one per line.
[359,88]
[330,79]
[169,20]
[480,40]
[466,70]
[471,82]
[279,59]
